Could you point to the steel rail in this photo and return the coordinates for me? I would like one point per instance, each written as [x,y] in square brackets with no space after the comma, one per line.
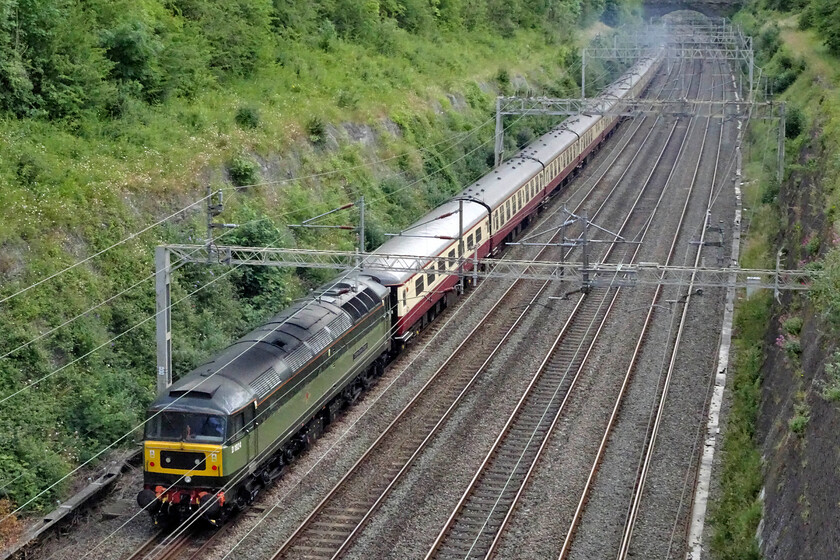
[289,543]
[518,412]
[570,533]
[476,332]
[150,544]
[627,536]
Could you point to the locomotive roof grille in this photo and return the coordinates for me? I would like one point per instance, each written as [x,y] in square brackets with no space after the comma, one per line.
[298,357]
[266,381]
[353,308]
[319,340]
[340,325]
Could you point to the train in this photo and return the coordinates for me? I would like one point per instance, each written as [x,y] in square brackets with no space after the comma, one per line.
[223,432]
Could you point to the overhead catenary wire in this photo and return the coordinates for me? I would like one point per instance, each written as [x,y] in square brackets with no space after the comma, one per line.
[204,198]
[459,137]
[195,291]
[196,517]
[132,236]
[147,319]
[103,251]
[352,426]
[126,435]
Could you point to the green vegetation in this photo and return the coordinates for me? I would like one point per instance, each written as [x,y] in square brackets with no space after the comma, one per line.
[831,386]
[115,113]
[736,513]
[801,67]
[801,415]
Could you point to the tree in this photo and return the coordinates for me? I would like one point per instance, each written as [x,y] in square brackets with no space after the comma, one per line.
[827,21]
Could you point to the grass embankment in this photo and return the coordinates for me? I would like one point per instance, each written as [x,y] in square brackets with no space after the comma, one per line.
[73,187]
[801,66]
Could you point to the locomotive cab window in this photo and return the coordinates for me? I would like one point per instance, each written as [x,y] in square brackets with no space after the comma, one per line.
[186,426]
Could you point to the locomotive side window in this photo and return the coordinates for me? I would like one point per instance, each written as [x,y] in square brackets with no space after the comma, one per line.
[249,417]
[236,429]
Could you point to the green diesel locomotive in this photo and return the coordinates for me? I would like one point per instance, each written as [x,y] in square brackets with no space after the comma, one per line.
[227,429]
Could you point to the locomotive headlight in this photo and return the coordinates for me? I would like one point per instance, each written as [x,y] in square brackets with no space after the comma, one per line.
[187,479]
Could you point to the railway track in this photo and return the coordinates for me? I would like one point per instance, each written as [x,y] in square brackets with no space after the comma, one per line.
[334,523]
[653,431]
[476,525]
[644,467]
[184,543]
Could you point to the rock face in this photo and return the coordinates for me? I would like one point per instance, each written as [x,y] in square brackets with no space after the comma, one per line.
[801,512]
[801,467]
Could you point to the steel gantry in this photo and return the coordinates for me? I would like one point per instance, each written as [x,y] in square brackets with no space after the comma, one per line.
[593,275]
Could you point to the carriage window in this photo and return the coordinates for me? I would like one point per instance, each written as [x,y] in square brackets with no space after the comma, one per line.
[478,235]
[441,266]
[452,258]
[418,285]
[430,278]
[469,241]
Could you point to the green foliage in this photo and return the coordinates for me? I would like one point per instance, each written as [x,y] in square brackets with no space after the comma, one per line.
[831,386]
[316,130]
[243,171]
[825,16]
[801,417]
[793,348]
[769,41]
[793,325]
[735,514]
[247,117]
[794,121]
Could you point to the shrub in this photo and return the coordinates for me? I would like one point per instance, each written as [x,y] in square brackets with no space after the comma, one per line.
[831,387]
[243,171]
[503,79]
[800,419]
[247,117]
[812,246]
[793,348]
[793,325]
[347,99]
[794,122]
[317,130]
[10,526]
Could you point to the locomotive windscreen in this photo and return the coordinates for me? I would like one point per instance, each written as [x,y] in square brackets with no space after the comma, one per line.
[186,426]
